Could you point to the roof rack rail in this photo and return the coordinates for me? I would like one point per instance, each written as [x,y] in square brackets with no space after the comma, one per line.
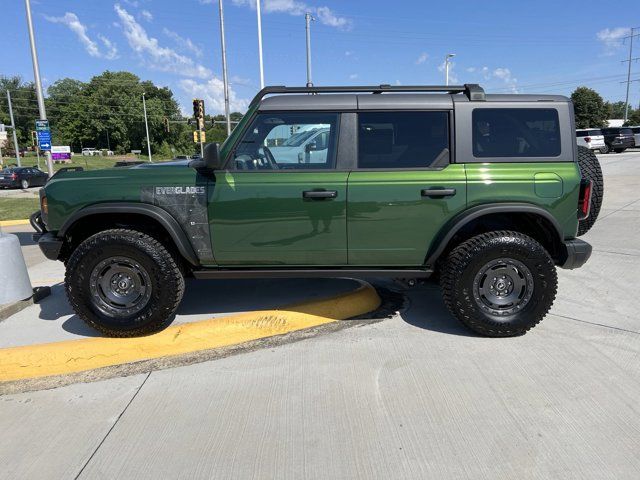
[472,90]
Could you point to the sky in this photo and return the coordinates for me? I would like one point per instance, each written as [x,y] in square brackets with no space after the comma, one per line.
[542,46]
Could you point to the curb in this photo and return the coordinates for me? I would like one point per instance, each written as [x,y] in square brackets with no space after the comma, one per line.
[12,308]
[73,356]
[11,223]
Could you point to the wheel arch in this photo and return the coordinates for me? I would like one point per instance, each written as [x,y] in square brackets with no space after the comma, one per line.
[526,218]
[123,213]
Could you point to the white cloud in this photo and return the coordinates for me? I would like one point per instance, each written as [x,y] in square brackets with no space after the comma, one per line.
[184,43]
[236,80]
[155,56]
[72,21]
[612,38]
[112,51]
[471,69]
[504,74]
[212,92]
[424,56]
[147,15]
[348,53]
[324,14]
[353,76]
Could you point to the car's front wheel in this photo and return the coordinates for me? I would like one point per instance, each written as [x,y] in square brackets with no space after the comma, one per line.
[499,284]
[124,283]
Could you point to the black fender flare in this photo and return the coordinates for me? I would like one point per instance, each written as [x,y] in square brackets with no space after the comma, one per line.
[154,212]
[447,232]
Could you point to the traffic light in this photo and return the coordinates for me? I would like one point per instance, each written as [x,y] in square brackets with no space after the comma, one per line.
[198,112]
[165,122]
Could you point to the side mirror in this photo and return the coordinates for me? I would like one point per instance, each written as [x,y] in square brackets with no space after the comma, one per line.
[311,147]
[211,160]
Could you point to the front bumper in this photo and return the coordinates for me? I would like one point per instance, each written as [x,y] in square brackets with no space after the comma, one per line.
[50,245]
[577,253]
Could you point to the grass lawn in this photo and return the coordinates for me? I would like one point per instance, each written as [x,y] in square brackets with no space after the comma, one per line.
[18,208]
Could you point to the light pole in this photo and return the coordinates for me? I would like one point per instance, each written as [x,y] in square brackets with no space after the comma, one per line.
[446,67]
[308,18]
[225,79]
[13,128]
[146,126]
[36,77]
[260,44]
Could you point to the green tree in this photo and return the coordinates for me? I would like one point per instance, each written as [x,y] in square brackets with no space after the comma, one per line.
[615,109]
[25,107]
[590,109]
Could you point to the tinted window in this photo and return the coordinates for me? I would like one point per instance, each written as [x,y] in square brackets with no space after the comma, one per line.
[582,134]
[595,132]
[635,129]
[287,141]
[516,132]
[402,139]
[626,131]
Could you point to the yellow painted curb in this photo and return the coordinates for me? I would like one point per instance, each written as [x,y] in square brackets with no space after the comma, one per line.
[10,223]
[33,361]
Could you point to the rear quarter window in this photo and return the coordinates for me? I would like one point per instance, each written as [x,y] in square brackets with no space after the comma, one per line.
[516,132]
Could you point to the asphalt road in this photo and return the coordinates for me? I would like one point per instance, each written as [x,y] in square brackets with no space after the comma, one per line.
[413,396]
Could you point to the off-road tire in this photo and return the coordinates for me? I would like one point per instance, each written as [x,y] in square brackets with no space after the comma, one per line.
[464,263]
[590,169]
[166,282]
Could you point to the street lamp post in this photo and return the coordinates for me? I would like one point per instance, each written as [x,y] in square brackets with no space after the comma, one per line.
[225,79]
[446,67]
[36,77]
[260,44]
[146,126]
[308,18]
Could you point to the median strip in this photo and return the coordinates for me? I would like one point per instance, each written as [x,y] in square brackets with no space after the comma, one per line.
[11,223]
[60,358]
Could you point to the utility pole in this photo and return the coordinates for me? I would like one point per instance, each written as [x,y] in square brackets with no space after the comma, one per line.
[447,62]
[628,82]
[260,44]
[13,128]
[225,79]
[308,18]
[38,82]
[146,126]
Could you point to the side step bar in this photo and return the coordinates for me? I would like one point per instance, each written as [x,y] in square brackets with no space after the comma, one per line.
[309,273]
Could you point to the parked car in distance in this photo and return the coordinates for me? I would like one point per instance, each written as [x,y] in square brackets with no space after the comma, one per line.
[90,152]
[636,135]
[22,177]
[309,146]
[618,139]
[592,138]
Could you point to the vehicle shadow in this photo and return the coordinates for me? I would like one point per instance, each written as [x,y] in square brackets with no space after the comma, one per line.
[427,310]
[211,297]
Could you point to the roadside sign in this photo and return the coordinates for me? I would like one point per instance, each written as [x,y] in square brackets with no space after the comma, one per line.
[61,153]
[44,139]
[42,125]
[199,136]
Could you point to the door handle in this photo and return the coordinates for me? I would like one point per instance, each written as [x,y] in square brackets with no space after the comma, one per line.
[438,192]
[319,194]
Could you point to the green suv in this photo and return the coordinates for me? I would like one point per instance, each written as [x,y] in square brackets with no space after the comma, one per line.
[487,193]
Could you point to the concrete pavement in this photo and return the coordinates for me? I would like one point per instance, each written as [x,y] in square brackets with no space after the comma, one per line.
[413,396]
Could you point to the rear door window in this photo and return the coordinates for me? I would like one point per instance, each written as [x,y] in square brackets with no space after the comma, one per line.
[402,139]
[516,132]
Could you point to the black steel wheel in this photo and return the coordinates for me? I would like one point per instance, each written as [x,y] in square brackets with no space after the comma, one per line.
[124,283]
[499,284]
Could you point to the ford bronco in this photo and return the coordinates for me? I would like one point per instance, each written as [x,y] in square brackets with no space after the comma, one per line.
[487,193]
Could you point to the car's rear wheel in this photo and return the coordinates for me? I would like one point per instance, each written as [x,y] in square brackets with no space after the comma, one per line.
[590,169]
[619,150]
[499,284]
[605,149]
[124,283]
[24,184]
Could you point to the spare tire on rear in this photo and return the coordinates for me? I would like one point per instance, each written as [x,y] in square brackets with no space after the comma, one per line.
[590,169]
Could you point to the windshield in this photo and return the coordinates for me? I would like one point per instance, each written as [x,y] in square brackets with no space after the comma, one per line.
[298,139]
